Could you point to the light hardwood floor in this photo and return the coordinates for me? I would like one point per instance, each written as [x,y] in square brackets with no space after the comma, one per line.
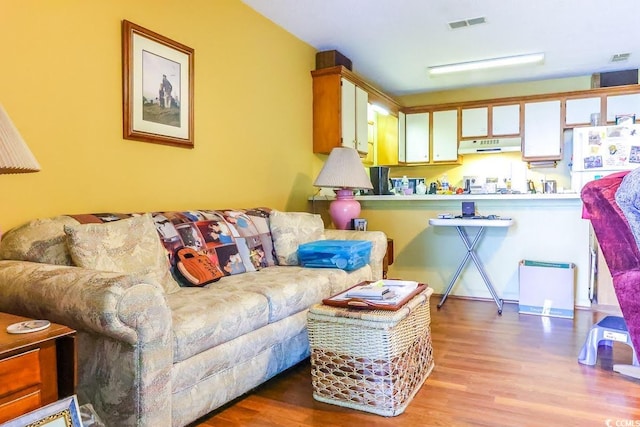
[490,370]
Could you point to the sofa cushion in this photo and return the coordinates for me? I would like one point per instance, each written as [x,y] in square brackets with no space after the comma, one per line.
[290,229]
[128,246]
[206,317]
[40,240]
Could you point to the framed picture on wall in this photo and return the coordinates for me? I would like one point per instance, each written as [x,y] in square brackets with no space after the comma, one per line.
[157,88]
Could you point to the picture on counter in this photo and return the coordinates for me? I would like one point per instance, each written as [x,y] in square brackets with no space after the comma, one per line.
[359,224]
[634,155]
[592,162]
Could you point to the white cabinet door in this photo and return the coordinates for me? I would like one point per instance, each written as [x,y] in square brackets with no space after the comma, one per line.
[623,104]
[354,117]
[402,138]
[578,111]
[505,120]
[542,131]
[417,138]
[348,114]
[445,136]
[362,120]
[475,122]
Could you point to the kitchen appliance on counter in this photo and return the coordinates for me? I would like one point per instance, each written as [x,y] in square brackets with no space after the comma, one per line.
[602,150]
[380,180]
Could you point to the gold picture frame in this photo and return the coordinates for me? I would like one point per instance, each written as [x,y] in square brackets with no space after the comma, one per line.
[157,88]
[63,413]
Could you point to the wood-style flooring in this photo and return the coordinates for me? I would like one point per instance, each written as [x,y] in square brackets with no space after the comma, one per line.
[490,370]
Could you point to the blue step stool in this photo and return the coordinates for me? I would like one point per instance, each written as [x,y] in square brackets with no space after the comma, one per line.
[607,330]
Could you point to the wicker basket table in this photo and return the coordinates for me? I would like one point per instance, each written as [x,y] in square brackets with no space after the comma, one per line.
[371,360]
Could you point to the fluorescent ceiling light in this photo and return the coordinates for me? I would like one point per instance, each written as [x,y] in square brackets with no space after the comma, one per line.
[379,109]
[487,63]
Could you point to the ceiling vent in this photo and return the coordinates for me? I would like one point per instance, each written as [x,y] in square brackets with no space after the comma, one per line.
[454,25]
[619,57]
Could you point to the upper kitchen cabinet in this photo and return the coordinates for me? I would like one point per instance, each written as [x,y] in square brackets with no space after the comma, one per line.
[621,105]
[475,122]
[416,142]
[505,120]
[578,111]
[490,121]
[542,139]
[445,136]
[340,102]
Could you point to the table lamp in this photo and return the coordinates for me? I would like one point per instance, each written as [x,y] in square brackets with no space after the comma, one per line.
[344,172]
[15,156]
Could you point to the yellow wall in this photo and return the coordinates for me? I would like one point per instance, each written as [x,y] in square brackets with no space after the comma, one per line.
[61,83]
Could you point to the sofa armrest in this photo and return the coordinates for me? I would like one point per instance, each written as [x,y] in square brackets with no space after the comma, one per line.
[378,245]
[112,304]
[125,349]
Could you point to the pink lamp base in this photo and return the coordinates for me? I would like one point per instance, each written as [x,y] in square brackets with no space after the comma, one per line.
[344,209]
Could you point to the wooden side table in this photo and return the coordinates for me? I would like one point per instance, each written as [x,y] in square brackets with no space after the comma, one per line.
[36,368]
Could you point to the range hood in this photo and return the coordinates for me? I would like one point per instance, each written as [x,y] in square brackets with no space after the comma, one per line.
[482,146]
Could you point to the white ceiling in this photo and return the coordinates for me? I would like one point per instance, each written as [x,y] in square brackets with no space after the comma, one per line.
[392,42]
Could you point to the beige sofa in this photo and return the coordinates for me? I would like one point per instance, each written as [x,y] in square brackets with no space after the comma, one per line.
[149,355]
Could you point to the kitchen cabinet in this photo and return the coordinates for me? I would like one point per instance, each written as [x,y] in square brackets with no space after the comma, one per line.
[387,140]
[505,120]
[445,136]
[354,120]
[542,138]
[340,106]
[623,104]
[578,111]
[339,114]
[475,122]
[402,137]
[416,138]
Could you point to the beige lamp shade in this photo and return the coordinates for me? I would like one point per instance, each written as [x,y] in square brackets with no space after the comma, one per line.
[15,156]
[343,169]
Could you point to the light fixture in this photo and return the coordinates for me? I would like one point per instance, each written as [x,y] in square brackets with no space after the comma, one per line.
[487,63]
[344,172]
[379,109]
[15,156]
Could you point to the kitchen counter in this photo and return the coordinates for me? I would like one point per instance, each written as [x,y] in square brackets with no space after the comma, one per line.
[546,228]
[471,197]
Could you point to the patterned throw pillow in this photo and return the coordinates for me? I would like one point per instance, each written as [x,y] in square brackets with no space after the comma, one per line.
[290,229]
[129,246]
[40,240]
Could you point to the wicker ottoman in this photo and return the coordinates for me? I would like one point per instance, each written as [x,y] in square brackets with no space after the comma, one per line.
[371,360]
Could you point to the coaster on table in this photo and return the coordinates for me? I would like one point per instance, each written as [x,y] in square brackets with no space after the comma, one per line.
[28,326]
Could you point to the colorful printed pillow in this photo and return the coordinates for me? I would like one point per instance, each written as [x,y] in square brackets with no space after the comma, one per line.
[127,246]
[290,229]
[209,235]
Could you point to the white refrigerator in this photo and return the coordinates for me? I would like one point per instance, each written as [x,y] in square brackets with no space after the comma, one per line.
[602,150]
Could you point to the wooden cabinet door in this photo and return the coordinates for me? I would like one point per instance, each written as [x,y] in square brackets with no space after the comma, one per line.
[475,122]
[417,138]
[542,131]
[445,136]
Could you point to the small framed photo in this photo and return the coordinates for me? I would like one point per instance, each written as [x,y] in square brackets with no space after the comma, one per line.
[157,88]
[359,224]
[625,119]
[63,413]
